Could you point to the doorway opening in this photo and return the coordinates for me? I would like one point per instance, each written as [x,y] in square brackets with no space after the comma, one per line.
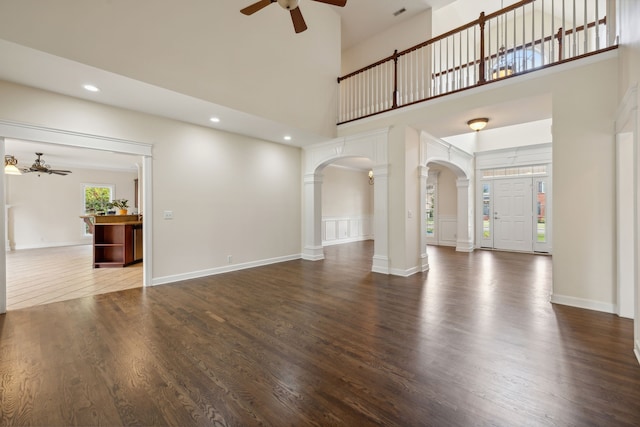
[55,139]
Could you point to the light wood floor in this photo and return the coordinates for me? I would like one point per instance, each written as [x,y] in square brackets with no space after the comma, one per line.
[42,276]
[473,342]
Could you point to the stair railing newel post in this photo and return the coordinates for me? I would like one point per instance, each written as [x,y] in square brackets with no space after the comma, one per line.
[559,37]
[481,71]
[395,79]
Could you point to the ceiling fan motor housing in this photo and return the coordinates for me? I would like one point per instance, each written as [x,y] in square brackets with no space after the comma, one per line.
[288,4]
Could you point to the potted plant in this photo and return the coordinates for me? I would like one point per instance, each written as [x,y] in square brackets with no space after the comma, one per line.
[121,205]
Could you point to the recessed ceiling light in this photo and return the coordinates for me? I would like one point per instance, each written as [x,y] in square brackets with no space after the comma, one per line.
[287,138]
[214,120]
[91,88]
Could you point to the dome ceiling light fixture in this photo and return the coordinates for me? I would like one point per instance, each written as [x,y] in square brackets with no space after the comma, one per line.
[478,124]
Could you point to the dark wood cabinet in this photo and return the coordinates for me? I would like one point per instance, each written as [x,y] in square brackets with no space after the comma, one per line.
[117,244]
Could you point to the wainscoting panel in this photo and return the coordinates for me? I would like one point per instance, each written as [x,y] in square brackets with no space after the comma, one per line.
[337,230]
[329,230]
[447,230]
[343,229]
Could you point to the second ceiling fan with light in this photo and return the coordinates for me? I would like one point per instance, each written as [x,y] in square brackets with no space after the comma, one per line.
[39,167]
[292,6]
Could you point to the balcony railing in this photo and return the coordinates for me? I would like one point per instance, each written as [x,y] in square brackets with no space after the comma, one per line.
[517,39]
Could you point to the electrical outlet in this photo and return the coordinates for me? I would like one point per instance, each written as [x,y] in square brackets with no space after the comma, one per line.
[167,214]
[229,259]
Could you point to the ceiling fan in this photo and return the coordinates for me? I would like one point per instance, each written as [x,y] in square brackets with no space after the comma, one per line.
[292,6]
[39,167]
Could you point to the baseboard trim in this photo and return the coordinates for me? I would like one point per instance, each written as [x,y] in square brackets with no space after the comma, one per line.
[380,264]
[424,261]
[348,240]
[464,246]
[220,270]
[404,273]
[583,303]
[50,245]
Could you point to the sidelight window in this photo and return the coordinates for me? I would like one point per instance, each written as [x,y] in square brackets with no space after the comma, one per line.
[541,209]
[430,210]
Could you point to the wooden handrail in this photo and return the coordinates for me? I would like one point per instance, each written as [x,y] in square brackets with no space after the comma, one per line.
[523,46]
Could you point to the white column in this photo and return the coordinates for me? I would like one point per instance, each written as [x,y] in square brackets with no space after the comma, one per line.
[381,219]
[464,241]
[147,220]
[423,173]
[312,250]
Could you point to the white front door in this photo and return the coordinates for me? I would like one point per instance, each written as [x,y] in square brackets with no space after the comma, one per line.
[512,214]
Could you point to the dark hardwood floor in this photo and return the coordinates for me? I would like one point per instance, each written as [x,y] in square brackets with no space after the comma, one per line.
[473,342]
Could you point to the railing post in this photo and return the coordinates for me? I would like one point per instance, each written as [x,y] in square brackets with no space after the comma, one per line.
[481,70]
[395,79]
[559,37]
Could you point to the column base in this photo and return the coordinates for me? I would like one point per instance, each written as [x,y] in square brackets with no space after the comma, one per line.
[315,253]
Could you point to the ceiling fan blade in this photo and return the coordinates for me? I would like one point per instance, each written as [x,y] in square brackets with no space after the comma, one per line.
[298,21]
[59,172]
[250,10]
[340,3]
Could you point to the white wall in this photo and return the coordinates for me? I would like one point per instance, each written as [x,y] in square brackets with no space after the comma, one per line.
[447,191]
[346,192]
[629,31]
[232,195]
[44,211]
[402,36]
[347,205]
[202,48]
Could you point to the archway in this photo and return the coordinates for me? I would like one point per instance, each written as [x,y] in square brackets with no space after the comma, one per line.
[347,201]
[372,146]
[436,151]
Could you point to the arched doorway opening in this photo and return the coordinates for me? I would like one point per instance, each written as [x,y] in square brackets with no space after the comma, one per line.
[347,201]
[453,226]
[459,166]
[371,147]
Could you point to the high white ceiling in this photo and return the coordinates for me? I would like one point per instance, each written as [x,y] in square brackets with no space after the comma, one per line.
[360,19]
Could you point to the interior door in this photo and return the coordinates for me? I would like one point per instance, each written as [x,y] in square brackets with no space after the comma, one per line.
[512,214]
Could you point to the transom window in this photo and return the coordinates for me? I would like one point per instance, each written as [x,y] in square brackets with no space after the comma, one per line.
[515,171]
